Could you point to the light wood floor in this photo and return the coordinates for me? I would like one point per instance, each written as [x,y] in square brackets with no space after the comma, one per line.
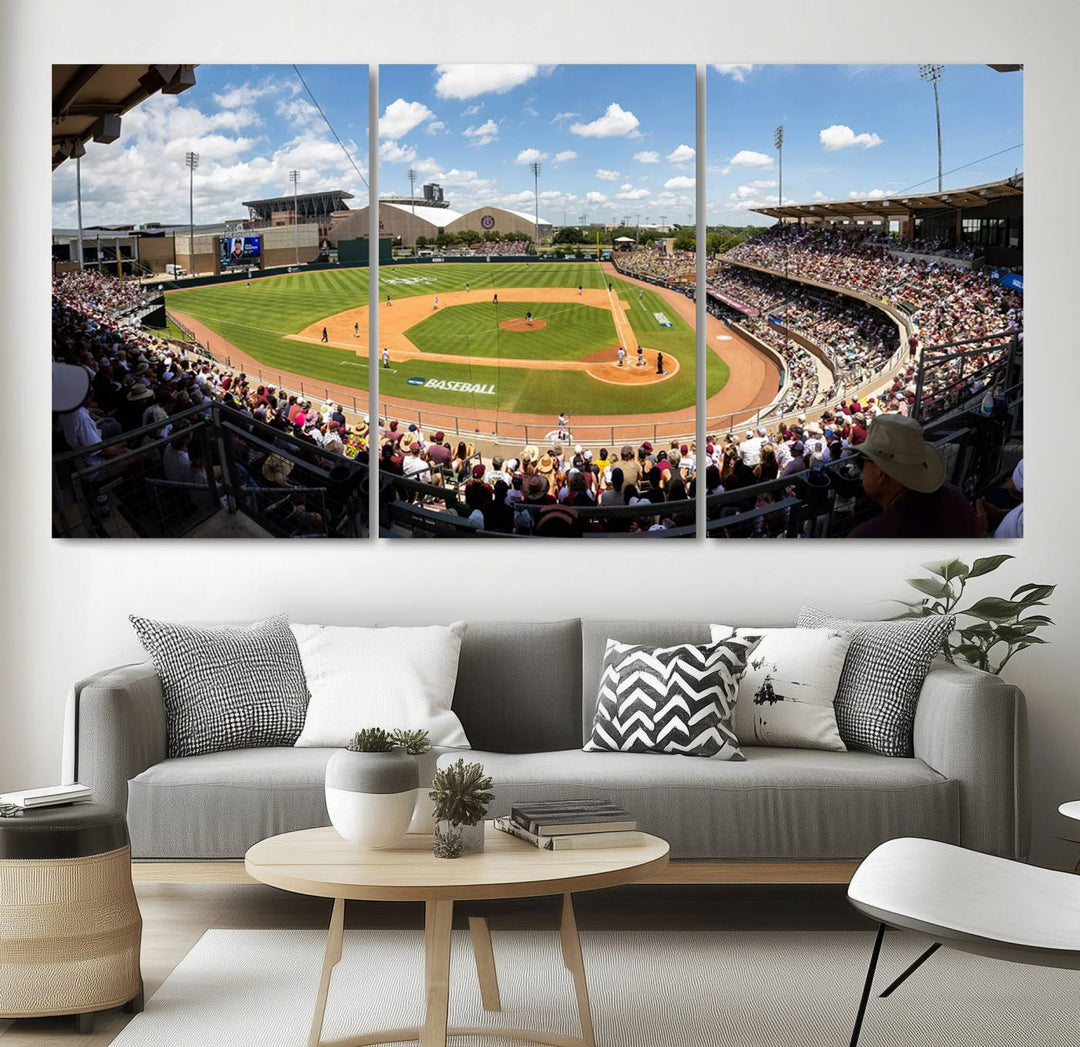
[176,915]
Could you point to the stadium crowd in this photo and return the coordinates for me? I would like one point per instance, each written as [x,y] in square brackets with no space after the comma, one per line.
[139,380]
[653,264]
[496,248]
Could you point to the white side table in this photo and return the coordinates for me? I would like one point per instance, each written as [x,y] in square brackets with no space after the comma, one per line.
[1071,809]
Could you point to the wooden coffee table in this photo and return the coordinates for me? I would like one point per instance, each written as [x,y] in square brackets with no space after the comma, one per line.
[319,862]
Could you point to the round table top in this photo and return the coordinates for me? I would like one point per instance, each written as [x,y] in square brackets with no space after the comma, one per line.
[1070,809]
[319,862]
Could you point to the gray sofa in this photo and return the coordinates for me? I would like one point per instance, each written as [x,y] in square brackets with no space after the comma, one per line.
[525,695]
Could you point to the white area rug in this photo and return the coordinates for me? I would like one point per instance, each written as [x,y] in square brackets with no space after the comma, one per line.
[257,989]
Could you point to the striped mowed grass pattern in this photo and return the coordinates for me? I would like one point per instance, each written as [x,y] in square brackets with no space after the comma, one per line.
[257,318]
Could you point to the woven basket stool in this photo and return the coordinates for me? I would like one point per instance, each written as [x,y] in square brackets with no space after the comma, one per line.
[70,927]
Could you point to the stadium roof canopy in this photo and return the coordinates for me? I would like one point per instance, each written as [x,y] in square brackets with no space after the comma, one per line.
[88,100]
[527,216]
[901,205]
[306,203]
[438,216]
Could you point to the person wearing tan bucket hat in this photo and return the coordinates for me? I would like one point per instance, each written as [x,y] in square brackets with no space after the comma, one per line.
[905,476]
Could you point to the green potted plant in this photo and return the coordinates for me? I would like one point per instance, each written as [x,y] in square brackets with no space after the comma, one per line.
[990,631]
[461,794]
[372,786]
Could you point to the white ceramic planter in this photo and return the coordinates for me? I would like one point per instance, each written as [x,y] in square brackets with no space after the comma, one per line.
[371,797]
[423,819]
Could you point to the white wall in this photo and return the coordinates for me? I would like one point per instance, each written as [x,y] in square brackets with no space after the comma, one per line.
[65,603]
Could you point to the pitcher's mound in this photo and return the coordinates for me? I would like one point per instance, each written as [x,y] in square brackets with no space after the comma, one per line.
[519,323]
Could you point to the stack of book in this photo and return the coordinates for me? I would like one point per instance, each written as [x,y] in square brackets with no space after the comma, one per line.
[50,796]
[567,825]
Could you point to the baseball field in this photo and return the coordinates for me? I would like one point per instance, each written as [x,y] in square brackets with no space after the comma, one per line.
[507,338]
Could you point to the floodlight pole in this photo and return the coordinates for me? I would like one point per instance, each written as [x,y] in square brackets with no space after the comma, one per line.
[192,161]
[78,205]
[294,177]
[412,190]
[535,168]
[778,139]
[933,74]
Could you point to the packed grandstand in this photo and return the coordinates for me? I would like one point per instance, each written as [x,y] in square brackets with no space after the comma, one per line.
[847,361]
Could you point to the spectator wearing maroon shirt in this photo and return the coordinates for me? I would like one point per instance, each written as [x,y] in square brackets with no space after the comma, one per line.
[905,477]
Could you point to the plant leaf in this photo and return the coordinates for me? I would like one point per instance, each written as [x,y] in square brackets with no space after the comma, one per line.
[1034,593]
[980,629]
[994,609]
[930,586]
[986,564]
[1037,619]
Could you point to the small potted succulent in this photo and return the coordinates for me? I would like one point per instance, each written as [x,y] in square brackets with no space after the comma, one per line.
[372,786]
[460,793]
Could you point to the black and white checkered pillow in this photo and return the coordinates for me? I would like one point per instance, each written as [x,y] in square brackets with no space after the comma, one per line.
[670,699]
[227,687]
[883,675]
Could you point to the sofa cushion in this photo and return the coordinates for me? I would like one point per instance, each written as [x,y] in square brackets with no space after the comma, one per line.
[594,638]
[781,804]
[519,685]
[219,804]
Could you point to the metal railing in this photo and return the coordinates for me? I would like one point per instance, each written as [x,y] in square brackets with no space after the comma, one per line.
[122,487]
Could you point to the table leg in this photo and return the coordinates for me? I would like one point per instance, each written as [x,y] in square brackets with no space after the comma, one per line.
[330,959]
[438,921]
[571,950]
[484,955]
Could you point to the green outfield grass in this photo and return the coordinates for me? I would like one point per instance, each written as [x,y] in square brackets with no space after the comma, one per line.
[257,318]
[571,331]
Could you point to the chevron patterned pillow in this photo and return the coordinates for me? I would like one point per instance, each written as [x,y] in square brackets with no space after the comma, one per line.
[670,699]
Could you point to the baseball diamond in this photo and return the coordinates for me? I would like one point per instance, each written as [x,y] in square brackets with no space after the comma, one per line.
[477,353]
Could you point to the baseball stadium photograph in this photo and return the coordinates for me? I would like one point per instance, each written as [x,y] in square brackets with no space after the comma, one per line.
[869,238]
[193,247]
[525,299]
[524,360]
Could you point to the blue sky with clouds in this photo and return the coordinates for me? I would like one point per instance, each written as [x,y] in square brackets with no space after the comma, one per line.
[250,125]
[853,131]
[614,141]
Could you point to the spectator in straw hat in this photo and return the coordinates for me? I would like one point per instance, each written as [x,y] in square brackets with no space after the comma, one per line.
[905,477]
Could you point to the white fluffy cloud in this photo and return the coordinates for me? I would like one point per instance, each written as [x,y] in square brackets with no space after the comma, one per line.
[749,158]
[606,175]
[681,154]
[142,177]
[434,127]
[245,94]
[647,156]
[427,166]
[401,117]
[472,110]
[564,156]
[738,73]
[764,183]
[595,198]
[616,122]
[629,192]
[467,81]
[483,134]
[299,112]
[873,194]
[679,182]
[529,156]
[819,195]
[391,152]
[558,118]
[840,136]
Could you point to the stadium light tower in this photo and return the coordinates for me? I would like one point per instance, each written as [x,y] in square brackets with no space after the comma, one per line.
[294,177]
[933,74]
[535,168]
[778,141]
[412,190]
[192,161]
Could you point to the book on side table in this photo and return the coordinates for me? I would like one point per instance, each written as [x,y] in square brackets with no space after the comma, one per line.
[570,824]
[50,796]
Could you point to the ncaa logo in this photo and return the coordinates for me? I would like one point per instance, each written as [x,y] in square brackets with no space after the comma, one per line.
[415,381]
[487,222]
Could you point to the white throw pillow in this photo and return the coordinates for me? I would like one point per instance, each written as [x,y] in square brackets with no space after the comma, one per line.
[389,678]
[787,692]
